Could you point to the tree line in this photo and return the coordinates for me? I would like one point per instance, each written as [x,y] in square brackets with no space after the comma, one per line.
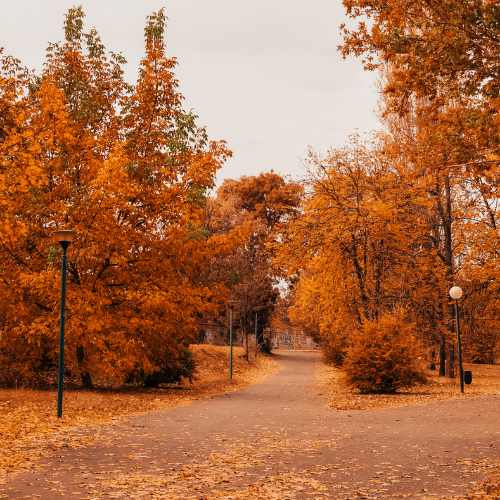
[360,256]
[392,221]
[129,169]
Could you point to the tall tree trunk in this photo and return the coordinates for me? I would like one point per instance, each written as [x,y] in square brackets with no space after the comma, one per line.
[246,344]
[445,221]
[360,274]
[451,357]
[84,374]
[448,240]
[442,356]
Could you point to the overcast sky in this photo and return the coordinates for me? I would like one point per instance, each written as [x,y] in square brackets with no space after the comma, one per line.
[264,75]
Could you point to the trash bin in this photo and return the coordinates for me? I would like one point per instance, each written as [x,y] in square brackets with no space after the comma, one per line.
[468,377]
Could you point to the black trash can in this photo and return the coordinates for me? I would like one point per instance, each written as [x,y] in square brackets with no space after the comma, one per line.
[468,377]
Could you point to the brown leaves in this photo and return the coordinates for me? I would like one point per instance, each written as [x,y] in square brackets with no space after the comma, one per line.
[241,470]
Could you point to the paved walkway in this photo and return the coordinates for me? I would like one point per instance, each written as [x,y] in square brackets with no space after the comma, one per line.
[279,440]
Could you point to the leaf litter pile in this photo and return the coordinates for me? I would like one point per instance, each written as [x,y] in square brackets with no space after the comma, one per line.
[29,429]
[242,470]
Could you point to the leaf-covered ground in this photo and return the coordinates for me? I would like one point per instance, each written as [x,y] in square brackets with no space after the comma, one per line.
[279,440]
[486,381]
[29,428]
[341,396]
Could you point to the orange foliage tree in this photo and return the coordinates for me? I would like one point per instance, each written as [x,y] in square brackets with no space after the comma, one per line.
[396,223]
[361,248]
[251,212]
[129,169]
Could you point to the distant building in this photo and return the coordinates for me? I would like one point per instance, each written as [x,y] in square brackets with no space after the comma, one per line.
[292,338]
[212,332]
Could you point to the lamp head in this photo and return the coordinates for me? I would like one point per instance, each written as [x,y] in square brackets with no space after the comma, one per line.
[64,236]
[456,292]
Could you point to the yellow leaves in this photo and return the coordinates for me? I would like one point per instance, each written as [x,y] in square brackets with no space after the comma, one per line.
[128,169]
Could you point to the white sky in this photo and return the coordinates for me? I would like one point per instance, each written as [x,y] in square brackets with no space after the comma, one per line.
[264,75]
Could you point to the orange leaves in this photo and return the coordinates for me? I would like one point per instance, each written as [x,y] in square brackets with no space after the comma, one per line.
[245,219]
[360,246]
[384,355]
[126,167]
[440,103]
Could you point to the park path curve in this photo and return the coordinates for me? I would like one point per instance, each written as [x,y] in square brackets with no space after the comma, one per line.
[278,440]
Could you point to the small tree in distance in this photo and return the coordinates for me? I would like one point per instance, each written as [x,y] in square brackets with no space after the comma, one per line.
[383,355]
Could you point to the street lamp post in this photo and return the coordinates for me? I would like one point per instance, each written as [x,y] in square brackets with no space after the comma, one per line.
[64,237]
[257,309]
[244,314]
[230,341]
[232,303]
[456,293]
[256,332]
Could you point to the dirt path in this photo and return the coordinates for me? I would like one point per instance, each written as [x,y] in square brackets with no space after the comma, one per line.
[278,439]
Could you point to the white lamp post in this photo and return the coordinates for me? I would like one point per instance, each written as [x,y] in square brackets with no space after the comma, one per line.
[456,293]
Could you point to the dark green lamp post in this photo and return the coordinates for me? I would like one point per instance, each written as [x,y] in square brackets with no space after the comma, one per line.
[230,341]
[64,237]
[232,304]
[257,309]
[256,325]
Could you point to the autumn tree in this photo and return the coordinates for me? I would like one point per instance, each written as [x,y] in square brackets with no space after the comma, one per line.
[128,168]
[442,77]
[251,211]
[432,45]
[361,247]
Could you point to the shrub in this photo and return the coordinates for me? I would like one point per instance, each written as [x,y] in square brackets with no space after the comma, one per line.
[384,355]
[172,370]
[334,348]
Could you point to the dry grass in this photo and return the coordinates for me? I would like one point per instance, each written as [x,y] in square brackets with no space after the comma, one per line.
[29,428]
[486,380]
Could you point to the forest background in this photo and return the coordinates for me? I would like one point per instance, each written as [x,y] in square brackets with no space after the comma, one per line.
[366,249]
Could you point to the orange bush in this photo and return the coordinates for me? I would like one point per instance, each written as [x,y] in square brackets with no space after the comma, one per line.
[384,355]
